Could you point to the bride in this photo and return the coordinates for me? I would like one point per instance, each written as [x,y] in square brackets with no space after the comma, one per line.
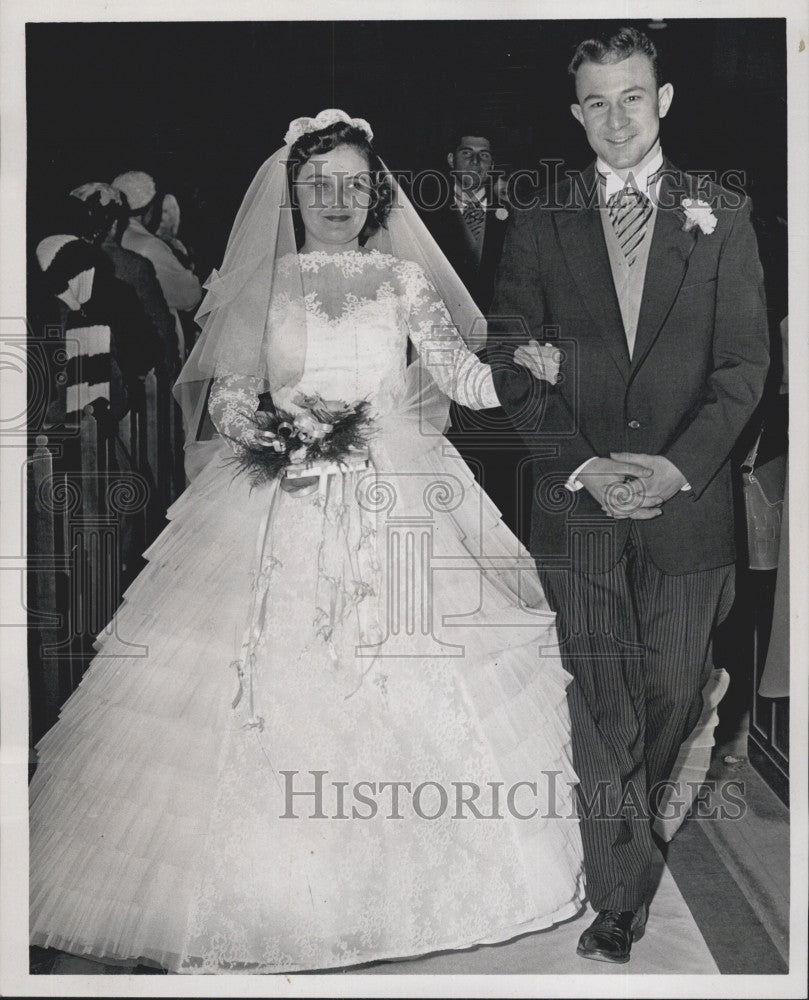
[328,724]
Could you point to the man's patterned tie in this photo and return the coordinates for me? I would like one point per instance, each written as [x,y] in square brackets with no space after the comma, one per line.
[630,212]
[473,216]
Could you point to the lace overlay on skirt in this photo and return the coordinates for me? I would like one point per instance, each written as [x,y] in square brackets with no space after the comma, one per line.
[388,632]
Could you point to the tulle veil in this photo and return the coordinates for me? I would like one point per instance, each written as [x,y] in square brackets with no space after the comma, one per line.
[261,268]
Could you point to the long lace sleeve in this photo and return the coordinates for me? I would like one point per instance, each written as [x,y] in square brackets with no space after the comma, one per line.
[456,370]
[232,406]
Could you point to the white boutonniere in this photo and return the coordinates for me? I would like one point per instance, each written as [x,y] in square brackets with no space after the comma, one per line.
[698,213]
[501,214]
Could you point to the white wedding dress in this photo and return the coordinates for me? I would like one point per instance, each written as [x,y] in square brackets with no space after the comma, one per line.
[385,628]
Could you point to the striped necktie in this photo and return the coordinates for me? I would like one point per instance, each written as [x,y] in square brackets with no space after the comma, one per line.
[473,217]
[630,212]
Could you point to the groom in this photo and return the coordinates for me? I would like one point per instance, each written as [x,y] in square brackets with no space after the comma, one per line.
[658,304]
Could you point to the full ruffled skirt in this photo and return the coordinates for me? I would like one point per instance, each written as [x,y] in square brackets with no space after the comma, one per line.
[321,730]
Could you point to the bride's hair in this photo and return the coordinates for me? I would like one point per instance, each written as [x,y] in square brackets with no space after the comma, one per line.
[324,141]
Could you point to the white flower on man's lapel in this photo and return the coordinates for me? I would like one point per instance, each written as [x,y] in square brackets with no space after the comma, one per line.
[698,213]
[502,206]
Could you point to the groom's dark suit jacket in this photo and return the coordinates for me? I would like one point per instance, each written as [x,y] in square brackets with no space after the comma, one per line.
[696,374]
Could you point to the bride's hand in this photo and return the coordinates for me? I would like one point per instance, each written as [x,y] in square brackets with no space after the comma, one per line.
[257,438]
[542,360]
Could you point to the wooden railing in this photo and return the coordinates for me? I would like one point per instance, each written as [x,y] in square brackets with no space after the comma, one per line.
[98,494]
[769,717]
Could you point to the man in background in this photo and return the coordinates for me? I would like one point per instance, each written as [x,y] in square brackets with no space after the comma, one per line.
[470,229]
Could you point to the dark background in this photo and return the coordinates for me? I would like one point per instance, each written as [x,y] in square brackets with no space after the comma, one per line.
[201,105]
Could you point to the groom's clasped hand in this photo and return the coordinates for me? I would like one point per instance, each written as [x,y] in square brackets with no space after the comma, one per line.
[665,479]
[632,485]
[627,484]
[620,486]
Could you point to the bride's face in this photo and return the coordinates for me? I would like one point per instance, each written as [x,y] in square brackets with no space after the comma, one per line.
[333,195]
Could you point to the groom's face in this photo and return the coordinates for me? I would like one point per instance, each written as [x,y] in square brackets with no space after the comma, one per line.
[620,107]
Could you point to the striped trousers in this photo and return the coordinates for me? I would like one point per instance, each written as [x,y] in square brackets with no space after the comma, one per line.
[638,644]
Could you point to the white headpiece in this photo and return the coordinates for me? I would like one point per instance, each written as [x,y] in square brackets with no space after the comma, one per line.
[300,126]
[138,187]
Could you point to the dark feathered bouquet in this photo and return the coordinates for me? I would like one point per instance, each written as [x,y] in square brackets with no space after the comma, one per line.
[323,433]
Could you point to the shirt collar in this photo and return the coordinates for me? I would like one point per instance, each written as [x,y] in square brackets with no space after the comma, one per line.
[463,197]
[644,179]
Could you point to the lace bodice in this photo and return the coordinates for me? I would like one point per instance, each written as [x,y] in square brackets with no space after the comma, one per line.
[361,308]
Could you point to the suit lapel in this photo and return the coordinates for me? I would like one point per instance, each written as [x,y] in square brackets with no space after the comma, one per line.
[666,267]
[456,227]
[581,237]
[492,239]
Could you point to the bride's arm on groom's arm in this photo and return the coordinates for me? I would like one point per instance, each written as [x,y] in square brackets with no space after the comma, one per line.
[538,410]
[456,369]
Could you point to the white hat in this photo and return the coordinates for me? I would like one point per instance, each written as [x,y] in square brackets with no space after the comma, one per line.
[105,192]
[138,187]
[50,247]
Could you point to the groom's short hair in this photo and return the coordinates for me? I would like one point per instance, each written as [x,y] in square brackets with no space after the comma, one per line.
[615,48]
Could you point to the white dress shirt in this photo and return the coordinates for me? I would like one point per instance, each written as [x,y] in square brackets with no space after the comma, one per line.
[641,179]
[463,198]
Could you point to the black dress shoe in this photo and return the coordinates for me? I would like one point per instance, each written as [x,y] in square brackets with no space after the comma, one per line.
[609,937]
[639,922]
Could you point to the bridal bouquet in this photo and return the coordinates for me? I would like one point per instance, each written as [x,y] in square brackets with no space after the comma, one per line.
[321,434]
